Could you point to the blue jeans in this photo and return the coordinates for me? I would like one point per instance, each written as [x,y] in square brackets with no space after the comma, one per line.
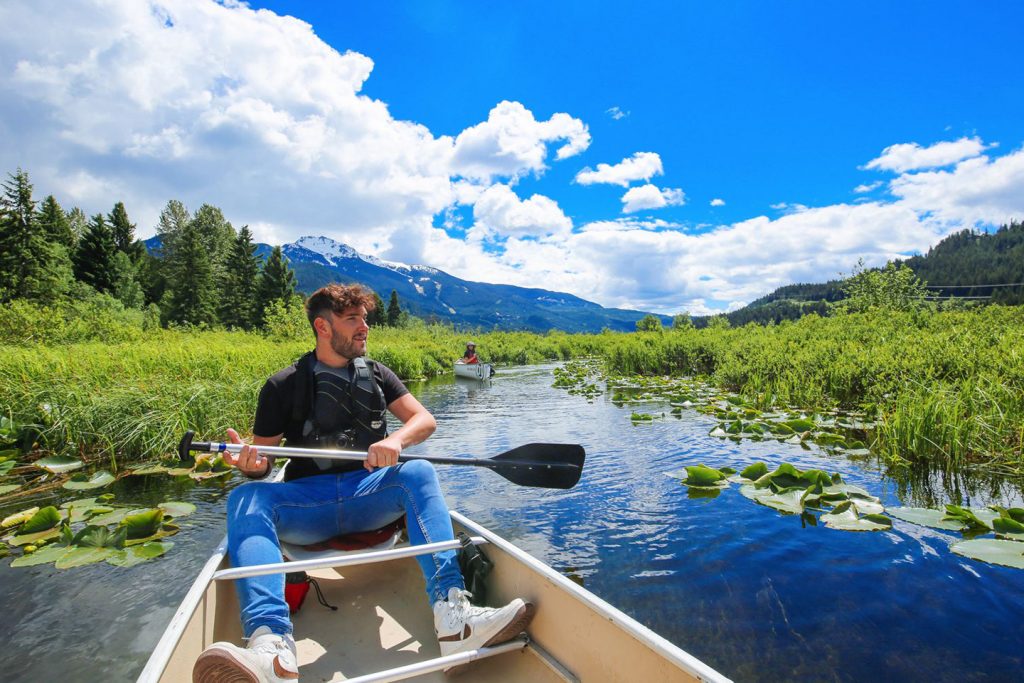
[317,508]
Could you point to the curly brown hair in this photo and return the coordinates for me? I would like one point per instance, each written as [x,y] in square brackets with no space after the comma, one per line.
[335,298]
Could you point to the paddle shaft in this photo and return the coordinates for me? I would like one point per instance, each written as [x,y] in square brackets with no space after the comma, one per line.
[544,465]
[330,454]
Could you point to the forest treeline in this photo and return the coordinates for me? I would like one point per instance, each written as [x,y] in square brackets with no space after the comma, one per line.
[204,273]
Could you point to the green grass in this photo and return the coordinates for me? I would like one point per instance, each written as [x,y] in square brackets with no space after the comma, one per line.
[947,387]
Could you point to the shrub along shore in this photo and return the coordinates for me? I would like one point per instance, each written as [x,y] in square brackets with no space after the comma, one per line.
[947,387]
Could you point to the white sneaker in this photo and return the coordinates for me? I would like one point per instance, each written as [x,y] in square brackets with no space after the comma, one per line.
[461,626]
[270,658]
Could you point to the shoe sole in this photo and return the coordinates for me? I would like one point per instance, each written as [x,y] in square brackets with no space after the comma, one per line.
[219,666]
[518,624]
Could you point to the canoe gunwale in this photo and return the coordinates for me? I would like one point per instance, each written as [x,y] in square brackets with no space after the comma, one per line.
[165,647]
[659,644]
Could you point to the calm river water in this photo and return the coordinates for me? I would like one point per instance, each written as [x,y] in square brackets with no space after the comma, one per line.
[748,590]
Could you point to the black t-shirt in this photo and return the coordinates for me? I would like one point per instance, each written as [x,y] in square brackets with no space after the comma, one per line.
[274,409]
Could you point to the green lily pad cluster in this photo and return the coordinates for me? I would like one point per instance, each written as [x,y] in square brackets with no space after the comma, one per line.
[1007,524]
[212,467]
[577,377]
[847,507]
[843,506]
[69,473]
[91,530]
[835,431]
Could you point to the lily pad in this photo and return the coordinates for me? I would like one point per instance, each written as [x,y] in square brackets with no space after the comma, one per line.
[976,519]
[149,468]
[80,556]
[95,536]
[992,550]
[789,501]
[41,520]
[847,518]
[702,475]
[129,557]
[1010,528]
[18,517]
[80,482]
[59,464]
[143,524]
[31,539]
[177,508]
[927,517]
[45,555]
[755,471]
[112,516]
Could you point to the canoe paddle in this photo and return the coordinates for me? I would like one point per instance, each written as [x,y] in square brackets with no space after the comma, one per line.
[542,465]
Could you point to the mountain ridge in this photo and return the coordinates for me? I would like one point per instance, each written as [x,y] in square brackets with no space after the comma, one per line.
[430,293]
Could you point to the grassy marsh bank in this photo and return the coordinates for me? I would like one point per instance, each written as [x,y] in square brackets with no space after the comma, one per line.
[947,387]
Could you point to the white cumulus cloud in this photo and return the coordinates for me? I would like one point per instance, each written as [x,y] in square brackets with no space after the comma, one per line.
[649,196]
[499,212]
[910,156]
[512,142]
[717,202]
[640,166]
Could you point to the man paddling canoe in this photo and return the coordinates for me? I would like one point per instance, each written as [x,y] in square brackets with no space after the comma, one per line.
[333,397]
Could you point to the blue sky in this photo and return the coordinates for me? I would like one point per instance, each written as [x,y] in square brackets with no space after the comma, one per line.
[574,146]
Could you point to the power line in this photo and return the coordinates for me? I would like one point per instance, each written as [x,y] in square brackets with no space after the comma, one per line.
[1012,284]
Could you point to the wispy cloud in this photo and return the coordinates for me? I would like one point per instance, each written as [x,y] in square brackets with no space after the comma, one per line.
[867,187]
[616,113]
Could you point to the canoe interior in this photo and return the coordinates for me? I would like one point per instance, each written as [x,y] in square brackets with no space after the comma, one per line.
[384,621]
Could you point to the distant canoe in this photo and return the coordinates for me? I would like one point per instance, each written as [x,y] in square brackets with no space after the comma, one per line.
[473,370]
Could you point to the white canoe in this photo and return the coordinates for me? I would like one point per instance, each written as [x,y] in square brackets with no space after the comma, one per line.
[383,629]
[479,371]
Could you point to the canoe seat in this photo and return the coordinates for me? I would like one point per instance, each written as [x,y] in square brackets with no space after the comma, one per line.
[383,538]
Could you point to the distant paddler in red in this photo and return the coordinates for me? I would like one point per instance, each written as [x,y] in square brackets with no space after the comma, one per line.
[469,356]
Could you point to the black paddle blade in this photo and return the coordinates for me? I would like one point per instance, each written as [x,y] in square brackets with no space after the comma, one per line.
[544,465]
[185,448]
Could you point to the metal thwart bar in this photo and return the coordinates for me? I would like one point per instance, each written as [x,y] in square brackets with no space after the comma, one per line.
[341,560]
[419,668]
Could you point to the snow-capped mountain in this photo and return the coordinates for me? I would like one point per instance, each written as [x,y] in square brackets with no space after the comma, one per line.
[427,292]
[430,293]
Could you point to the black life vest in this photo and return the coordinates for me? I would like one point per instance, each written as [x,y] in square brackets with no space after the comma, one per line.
[365,423]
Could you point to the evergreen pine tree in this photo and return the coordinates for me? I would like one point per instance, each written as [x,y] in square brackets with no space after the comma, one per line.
[79,224]
[277,281]
[31,266]
[394,311]
[123,229]
[151,275]
[56,224]
[376,317]
[94,258]
[217,234]
[172,223]
[126,285]
[241,283]
[190,298]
